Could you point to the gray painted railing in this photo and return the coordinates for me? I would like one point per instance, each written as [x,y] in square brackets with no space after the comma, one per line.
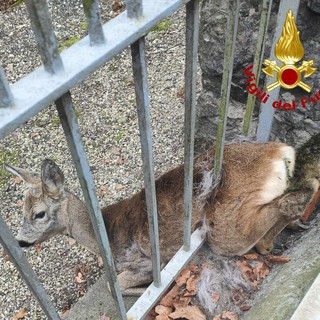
[18,104]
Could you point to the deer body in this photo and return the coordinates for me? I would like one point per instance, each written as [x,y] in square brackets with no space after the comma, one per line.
[246,208]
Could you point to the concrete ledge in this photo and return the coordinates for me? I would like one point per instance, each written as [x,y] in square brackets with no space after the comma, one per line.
[97,302]
[309,308]
[283,292]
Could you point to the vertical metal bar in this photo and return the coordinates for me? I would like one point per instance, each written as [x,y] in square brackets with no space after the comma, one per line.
[226,83]
[92,13]
[257,62]
[192,31]
[142,98]
[69,122]
[267,112]
[134,9]
[11,246]
[42,27]
[6,97]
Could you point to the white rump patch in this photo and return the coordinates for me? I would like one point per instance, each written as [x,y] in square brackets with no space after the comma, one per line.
[277,182]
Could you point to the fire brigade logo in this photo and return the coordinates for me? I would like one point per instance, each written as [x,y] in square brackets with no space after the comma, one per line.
[289,50]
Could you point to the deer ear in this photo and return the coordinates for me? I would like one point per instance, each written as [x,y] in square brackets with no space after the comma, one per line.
[29,177]
[52,178]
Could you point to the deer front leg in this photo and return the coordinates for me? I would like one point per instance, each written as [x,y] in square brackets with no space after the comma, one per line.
[133,283]
[291,207]
[135,275]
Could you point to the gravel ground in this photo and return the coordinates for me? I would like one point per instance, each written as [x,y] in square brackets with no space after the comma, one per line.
[105,104]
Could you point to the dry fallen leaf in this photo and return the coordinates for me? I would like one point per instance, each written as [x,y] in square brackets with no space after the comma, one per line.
[107,161]
[245,308]
[64,311]
[163,310]
[168,299]
[20,315]
[181,302]
[247,272]
[120,187]
[120,160]
[100,262]
[102,191]
[183,277]
[279,259]
[252,256]
[79,278]
[226,315]
[34,134]
[20,203]
[192,284]
[193,267]
[261,271]
[5,256]
[38,247]
[189,312]
[162,317]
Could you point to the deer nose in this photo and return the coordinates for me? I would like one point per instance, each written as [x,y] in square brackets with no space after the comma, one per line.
[24,244]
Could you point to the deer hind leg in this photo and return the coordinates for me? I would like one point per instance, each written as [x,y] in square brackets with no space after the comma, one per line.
[291,207]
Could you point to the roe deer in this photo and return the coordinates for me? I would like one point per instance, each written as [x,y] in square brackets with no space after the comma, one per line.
[260,191]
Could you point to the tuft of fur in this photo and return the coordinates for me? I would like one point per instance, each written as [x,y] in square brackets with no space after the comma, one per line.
[208,186]
[224,278]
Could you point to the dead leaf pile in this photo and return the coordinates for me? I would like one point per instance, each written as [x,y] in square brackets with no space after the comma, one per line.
[177,303]
[254,267]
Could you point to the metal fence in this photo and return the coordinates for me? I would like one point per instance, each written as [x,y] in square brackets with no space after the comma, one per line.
[18,104]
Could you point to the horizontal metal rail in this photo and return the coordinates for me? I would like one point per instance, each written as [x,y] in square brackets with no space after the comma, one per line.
[38,89]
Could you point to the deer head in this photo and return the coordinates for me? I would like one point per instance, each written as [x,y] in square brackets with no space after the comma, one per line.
[44,201]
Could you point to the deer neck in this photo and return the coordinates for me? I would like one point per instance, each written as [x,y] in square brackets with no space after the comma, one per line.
[78,224]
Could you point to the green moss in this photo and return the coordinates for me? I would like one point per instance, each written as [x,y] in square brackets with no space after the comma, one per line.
[119,136]
[83,25]
[68,43]
[162,26]
[10,157]
[17,4]
[56,121]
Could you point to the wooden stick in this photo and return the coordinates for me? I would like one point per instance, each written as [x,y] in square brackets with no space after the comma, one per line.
[310,207]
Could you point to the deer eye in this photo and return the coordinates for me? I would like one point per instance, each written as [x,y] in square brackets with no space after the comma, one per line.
[40,215]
